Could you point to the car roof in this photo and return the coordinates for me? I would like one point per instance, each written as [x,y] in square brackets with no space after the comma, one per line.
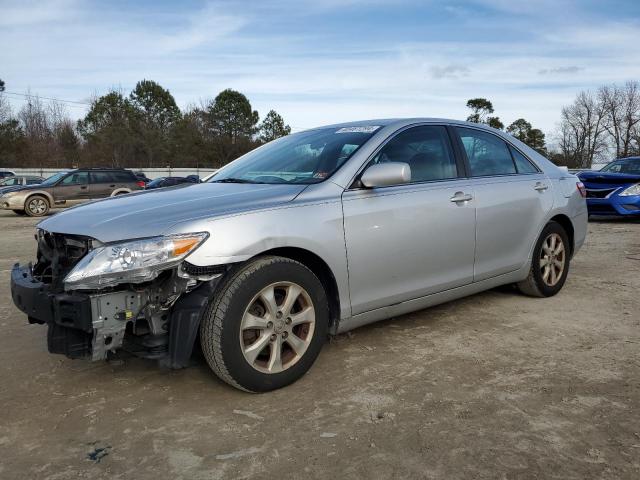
[400,122]
[97,169]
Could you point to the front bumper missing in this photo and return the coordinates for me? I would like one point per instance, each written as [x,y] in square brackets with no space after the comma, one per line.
[163,320]
[80,325]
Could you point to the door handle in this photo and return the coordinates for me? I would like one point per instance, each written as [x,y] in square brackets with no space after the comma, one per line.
[461,197]
[83,188]
[541,187]
[111,186]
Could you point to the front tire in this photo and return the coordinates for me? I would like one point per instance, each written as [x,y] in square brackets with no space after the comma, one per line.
[266,324]
[550,263]
[36,206]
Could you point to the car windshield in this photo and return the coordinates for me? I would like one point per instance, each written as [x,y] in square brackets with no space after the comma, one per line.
[623,166]
[53,179]
[301,158]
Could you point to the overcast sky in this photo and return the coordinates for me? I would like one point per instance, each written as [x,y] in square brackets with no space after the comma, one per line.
[324,61]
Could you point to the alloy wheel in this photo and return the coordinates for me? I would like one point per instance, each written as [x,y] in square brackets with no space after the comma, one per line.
[37,206]
[552,259]
[277,327]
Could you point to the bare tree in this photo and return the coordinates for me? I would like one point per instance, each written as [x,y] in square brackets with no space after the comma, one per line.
[622,115]
[5,109]
[49,133]
[582,130]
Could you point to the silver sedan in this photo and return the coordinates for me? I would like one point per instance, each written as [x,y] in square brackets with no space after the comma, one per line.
[315,233]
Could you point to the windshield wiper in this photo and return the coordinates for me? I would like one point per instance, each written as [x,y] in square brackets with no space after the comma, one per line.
[233,180]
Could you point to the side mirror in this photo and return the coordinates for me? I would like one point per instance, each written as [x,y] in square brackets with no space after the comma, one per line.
[385,174]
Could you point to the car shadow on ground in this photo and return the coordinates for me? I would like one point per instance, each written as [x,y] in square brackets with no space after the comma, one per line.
[612,219]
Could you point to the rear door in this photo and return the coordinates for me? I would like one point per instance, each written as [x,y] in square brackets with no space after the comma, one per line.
[512,198]
[409,240]
[74,188]
[102,184]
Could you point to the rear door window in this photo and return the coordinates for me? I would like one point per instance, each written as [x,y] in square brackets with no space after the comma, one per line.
[487,154]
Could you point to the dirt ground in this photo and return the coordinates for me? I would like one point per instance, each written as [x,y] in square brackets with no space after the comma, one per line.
[497,385]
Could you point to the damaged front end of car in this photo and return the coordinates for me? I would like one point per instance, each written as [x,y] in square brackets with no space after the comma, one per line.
[140,295]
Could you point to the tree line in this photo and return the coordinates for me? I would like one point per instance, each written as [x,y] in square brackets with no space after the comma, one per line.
[596,127]
[147,129]
[143,129]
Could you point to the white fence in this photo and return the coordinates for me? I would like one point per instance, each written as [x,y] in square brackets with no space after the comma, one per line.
[149,172]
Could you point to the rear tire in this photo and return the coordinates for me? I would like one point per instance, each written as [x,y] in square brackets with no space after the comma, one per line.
[549,264]
[36,206]
[266,324]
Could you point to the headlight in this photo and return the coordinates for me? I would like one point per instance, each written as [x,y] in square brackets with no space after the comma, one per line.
[135,261]
[632,190]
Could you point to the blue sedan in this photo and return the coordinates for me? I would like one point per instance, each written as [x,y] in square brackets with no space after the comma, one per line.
[614,190]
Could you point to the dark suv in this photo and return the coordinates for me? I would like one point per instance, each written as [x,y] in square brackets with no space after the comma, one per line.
[65,189]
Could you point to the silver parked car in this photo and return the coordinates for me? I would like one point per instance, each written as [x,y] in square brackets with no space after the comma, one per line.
[318,232]
[16,181]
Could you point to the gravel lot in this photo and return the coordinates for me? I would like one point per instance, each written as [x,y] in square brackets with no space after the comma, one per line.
[497,385]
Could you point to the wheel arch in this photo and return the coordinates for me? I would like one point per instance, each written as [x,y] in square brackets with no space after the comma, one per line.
[567,224]
[39,193]
[321,269]
[120,191]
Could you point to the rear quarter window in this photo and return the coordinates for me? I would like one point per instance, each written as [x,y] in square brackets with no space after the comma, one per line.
[523,164]
[123,177]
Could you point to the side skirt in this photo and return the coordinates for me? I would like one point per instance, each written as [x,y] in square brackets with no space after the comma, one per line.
[420,303]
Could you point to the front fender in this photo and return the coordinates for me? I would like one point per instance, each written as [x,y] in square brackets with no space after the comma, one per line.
[315,227]
[18,201]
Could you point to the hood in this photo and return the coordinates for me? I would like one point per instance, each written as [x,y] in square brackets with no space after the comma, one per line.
[608,178]
[153,212]
[10,188]
[19,188]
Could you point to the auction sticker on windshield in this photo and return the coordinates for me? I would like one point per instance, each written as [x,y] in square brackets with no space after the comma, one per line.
[364,129]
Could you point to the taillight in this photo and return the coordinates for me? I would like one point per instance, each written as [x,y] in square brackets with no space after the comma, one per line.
[140,183]
[582,189]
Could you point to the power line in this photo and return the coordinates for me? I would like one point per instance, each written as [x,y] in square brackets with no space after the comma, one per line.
[26,95]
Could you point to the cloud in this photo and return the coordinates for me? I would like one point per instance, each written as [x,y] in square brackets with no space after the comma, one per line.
[15,13]
[560,70]
[538,7]
[449,71]
[319,62]
[204,27]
